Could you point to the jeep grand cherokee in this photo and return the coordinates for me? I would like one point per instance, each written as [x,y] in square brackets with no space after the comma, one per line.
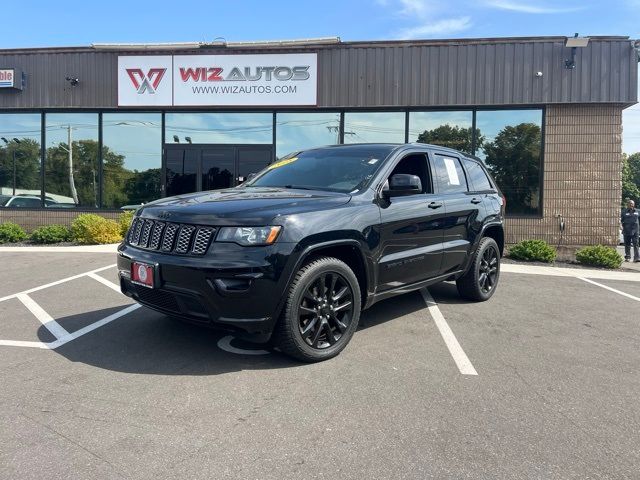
[295,253]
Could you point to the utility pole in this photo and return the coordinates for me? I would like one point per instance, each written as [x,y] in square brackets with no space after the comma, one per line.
[72,183]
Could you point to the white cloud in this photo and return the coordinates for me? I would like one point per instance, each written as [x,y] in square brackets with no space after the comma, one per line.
[442,27]
[529,7]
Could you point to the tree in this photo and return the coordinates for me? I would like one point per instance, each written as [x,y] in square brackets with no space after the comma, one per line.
[514,160]
[631,178]
[27,165]
[458,138]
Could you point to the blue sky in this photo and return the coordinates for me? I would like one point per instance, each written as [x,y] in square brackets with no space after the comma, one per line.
[46,23]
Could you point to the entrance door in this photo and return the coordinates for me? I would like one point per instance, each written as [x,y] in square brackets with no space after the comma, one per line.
[193,168]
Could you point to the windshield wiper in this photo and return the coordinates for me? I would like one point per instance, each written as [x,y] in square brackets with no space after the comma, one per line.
[300,187]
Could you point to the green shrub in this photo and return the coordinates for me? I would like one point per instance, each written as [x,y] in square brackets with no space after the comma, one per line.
[599,256]
[125,220]
[533,251]
[51,234]
[11,232]
[91,229]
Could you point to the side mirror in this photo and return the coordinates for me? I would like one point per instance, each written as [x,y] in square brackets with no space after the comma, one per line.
[402,184]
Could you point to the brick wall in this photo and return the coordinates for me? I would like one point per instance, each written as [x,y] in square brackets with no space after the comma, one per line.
[582,177]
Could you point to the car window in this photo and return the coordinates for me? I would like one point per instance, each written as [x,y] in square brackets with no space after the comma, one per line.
[415,164]
[4,199]
[450,175]
[478,180]
[339,169]
[25,202]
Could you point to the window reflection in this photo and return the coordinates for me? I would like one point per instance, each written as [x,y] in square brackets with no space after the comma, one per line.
[20,160]
[300,131]
[131,158]
[511,148]
[219,128]
[374,127]
[71,164]
[448,129]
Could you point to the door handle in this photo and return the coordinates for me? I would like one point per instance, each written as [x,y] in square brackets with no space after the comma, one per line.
[476,200]
[435,205]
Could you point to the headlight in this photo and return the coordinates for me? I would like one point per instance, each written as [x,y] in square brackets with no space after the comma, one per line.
[249,236]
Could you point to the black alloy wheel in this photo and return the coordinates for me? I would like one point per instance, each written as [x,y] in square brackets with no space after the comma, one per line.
[488,272]
[480,281]
[322,311]
[325,310]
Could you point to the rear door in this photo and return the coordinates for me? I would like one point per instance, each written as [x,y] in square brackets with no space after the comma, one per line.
[462,209]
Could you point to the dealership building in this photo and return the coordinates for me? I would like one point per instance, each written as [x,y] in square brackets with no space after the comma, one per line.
[109,126]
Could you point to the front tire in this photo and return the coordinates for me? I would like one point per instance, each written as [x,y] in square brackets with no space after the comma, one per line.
[322,311]
[481,280]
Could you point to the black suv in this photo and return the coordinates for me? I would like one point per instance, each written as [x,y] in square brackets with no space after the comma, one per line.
[295,253]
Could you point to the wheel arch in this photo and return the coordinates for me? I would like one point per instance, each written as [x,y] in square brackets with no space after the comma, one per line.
[495,231]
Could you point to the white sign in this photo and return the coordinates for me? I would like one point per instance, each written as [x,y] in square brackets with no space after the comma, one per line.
[218,80]
[450,165]
[7,78]
[145,81]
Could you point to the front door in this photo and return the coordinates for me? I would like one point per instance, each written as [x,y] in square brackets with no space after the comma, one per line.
[193,168]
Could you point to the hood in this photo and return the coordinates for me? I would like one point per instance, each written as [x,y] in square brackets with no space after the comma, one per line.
[236,206]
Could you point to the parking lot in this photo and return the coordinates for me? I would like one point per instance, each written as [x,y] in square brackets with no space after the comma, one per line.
[542,381]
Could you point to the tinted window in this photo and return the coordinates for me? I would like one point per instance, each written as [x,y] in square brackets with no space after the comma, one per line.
[131,158]
[71,166]
[450,175]
[362,127]
[25,202]
[477,177]
[20,135]
[511,149]
[341,169]
[448,129]
[299,131]
[219,127]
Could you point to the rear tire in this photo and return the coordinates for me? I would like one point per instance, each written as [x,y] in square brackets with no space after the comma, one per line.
[481,280]
[321,313]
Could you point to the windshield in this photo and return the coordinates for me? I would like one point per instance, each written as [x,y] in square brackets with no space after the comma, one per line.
[339,169]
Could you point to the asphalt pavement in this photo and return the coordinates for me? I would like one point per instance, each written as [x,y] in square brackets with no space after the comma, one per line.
[91,392]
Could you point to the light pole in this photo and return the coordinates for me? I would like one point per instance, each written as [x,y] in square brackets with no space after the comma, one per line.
[14,161]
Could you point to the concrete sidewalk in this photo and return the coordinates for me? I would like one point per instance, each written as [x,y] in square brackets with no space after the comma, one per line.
[631,265]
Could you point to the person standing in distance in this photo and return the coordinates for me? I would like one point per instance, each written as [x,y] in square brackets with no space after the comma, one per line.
[630,228]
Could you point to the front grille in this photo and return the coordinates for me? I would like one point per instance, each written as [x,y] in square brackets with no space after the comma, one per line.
[166,237]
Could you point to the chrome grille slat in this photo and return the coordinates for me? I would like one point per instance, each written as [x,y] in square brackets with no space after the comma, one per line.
[156,236]
[132,229]
[169,237]
[146,231]
[201,243]
[184,238]
[173,238]
[136,235]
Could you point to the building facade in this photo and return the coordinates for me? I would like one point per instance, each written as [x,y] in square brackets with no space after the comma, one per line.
[110,126]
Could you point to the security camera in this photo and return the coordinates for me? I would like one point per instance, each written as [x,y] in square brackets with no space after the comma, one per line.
[538,74]
[73,81]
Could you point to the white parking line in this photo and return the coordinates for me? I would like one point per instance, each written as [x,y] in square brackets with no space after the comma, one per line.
[47,320]
[104,281]
[637,299]
[57,282]
[462,361]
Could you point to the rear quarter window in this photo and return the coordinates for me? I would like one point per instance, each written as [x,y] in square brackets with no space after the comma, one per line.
[478,179]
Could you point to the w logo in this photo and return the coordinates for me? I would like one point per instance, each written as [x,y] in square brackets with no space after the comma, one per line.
[146,83]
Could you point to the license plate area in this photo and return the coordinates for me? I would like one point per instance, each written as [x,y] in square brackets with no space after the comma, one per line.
[143,274]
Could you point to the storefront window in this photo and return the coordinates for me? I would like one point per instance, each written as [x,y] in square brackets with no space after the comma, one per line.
[20,160]
[298,131]
[219,128]
[448,129]
[71,162]
[511,147]
[376,127]
[131,158]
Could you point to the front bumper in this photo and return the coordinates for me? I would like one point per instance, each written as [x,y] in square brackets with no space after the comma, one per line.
[231,287]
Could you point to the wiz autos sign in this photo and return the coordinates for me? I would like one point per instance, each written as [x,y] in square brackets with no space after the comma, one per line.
[212,80]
